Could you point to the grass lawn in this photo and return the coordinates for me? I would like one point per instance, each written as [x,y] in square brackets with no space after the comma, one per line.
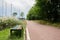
[5,34]
[48,23]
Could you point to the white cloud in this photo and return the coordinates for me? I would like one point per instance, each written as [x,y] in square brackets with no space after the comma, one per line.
[22,4]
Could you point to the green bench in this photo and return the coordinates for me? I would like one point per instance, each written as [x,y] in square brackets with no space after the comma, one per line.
[15,28]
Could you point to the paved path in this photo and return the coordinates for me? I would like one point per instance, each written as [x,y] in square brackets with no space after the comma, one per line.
[42,32]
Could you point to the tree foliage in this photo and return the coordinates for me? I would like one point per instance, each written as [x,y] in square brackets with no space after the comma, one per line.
[14,14]
[33,13]
[22,14]
[45,10]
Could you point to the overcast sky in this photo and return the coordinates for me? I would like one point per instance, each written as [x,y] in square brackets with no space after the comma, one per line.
[17,5]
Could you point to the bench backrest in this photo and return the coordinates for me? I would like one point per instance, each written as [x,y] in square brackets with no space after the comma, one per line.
[17,27]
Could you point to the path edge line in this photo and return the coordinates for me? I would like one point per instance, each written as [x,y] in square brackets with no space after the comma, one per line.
[27,34]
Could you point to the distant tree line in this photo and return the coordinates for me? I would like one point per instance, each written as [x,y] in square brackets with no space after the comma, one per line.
[45,10]
[21,14]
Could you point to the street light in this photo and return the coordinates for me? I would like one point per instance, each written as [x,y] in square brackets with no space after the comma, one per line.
[11,8]
[2,7]
[5,9]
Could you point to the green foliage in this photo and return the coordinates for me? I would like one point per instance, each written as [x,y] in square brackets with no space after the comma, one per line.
[45,10]
[22,14]
[5,34]
[33,13]
[4,22]
[14,14]
[48,23]
[38,11]
[52,10]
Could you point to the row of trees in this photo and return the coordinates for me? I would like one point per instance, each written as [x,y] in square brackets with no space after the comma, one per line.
[45,10]
[15,13]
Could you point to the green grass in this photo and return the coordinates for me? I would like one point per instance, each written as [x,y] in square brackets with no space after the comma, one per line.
[5,33]
[48,23]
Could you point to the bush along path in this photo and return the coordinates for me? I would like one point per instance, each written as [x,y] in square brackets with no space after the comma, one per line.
[42,32]
[5,33]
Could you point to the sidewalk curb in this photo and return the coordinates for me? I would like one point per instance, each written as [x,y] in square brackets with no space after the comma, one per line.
[27,34]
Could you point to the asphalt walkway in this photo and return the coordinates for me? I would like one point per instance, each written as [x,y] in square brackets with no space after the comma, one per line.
[42,32]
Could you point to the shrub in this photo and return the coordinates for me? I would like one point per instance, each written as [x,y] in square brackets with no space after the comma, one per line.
[4,22]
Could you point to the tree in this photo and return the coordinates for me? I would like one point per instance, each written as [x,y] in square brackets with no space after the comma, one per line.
[14,14]
[38,10]
[53,7]
[22,14]
[46,10]
[33,13]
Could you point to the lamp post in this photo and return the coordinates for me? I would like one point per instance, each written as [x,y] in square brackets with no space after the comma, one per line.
[5,9]
[11,8]
[2,8]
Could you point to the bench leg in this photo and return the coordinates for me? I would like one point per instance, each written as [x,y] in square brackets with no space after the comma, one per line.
[10,32]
